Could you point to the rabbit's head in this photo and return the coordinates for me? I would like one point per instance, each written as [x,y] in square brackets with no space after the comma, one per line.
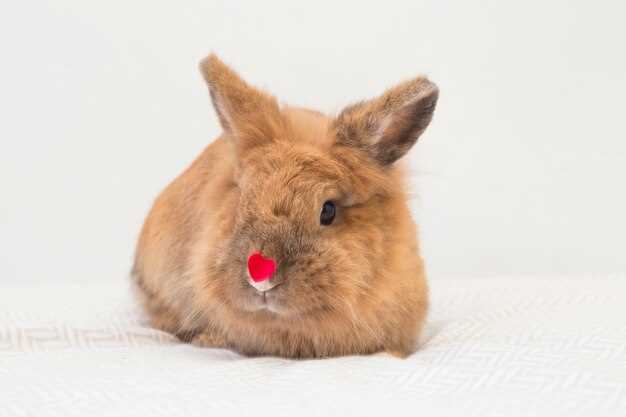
[318,199]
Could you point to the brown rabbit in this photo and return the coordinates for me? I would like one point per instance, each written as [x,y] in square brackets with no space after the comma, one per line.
[290,234]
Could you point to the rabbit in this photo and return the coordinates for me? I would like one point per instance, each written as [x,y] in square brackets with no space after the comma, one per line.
[290,234]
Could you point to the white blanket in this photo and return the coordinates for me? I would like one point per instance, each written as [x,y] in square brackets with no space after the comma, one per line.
[492,347]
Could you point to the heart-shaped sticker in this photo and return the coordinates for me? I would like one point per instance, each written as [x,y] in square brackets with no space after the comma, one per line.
[260,268]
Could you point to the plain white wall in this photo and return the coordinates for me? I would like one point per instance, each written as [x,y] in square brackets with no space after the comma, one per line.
[521,172]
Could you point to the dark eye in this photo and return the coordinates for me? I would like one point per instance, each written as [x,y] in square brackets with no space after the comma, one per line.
[328,213]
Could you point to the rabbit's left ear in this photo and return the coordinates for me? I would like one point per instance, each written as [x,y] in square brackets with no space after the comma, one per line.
[388,126]
[248,115]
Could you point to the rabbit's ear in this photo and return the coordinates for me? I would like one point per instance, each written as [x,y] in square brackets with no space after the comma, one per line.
[386,127]
[248,115]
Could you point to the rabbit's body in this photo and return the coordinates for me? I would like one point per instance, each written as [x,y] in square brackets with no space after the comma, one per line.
[355,286]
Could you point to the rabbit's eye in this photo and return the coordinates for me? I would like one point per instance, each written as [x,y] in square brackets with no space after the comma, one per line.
[328,213]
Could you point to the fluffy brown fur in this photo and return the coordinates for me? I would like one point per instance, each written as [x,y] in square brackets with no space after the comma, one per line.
[356,286]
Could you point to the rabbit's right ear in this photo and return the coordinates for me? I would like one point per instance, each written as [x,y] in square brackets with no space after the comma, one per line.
[249,116]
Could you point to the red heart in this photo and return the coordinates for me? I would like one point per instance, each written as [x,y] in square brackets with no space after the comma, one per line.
[260,268]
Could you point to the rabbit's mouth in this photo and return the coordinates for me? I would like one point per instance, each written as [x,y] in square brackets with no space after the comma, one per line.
[264,298]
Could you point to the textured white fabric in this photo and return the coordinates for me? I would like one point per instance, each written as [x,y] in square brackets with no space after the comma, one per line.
[492,347]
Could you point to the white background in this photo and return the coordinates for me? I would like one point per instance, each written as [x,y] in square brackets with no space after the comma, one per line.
[521,172]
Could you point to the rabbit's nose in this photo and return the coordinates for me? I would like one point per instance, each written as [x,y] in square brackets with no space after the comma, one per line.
[263,286]
[260,268]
